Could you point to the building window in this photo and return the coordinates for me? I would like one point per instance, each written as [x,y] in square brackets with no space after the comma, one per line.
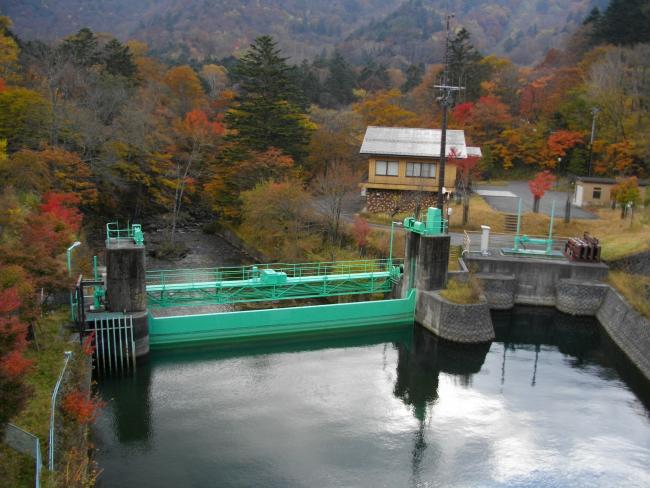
[421,170]
[596,193]
[386,168]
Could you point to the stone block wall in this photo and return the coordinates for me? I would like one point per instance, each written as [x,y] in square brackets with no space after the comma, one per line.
[395,201]
[499,290]
[576,297]
[468,323]
[627,328]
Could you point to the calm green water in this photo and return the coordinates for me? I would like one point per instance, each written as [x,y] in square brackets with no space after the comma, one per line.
[550,403]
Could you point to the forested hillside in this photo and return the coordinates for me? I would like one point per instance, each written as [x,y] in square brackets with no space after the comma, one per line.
[197,29]
[395,31]
[520,30]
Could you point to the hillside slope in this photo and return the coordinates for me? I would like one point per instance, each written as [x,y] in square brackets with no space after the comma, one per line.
[521,30]
[184,29]
[397,32]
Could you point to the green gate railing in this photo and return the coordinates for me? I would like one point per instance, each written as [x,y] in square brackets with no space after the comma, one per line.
[268,282]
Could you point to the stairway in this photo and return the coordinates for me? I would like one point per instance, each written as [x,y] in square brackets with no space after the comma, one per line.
[510,222]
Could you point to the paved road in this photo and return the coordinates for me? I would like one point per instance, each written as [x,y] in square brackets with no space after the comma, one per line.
[520,189]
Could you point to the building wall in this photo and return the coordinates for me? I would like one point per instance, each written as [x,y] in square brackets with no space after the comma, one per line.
[605,193]
[403,182]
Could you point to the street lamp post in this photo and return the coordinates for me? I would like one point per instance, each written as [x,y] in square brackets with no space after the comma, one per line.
[69,261]
[569,193]
[69,255]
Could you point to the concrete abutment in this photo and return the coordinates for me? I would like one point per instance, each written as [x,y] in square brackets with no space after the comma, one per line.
[126,287]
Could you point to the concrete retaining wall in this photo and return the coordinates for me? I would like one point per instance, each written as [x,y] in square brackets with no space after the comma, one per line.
[534,281]
[499,290]
[452,321]
[627,328]
[573,288]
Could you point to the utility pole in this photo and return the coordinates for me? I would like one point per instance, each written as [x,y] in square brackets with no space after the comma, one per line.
[446,101]
[594,114]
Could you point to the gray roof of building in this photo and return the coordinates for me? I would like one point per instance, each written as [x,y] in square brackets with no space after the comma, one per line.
[402,141]
[606,181]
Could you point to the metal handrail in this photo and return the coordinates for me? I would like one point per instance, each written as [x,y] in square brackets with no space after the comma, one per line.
[172,276]
[133,232]
[55,393]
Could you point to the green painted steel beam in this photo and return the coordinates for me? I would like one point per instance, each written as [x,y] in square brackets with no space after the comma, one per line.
[270,323]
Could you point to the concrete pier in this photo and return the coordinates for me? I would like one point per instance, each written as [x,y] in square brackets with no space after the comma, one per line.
[125,277]
[126,287]
[426,262]
[426,268]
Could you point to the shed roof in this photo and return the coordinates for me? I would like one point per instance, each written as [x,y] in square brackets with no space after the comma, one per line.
[606,181]
[405,141]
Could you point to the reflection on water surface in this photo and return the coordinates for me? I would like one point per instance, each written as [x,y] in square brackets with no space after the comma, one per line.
[550,403]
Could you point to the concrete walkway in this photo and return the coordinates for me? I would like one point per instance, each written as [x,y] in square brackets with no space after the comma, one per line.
[496,197]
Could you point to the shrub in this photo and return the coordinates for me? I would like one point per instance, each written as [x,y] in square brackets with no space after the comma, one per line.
[81,406]
[465,292]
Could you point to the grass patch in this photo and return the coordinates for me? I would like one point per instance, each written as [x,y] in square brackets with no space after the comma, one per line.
[384,218]
[634,288]
[47,354]
[480,213]
[463,292]
[618,237]
[48,361]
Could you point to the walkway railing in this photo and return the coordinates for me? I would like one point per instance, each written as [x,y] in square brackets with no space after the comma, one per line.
[55,394]
[472,241]
[132,233]
[266,282]
[22,441]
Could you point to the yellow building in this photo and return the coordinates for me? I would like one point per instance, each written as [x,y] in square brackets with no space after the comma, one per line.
[596,192]
[403,166]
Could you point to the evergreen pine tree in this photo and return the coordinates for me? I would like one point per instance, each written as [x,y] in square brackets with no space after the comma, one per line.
[268,112]
[465,66]
[414,75]
[341,81]
[82,48]
[625,22]
[309,82]
[374,77]
[118,60]
[593,17]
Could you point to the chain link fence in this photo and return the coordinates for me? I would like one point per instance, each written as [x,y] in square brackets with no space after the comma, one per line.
[25,443]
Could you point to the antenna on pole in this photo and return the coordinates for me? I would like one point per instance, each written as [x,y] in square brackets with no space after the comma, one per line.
[446,101]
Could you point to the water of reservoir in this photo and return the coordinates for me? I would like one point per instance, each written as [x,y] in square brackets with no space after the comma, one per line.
[550,403]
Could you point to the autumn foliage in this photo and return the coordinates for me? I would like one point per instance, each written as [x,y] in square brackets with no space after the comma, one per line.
[13,364]
[626,192]
[360,232]
[81,407]
[539,185]
[88,344]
